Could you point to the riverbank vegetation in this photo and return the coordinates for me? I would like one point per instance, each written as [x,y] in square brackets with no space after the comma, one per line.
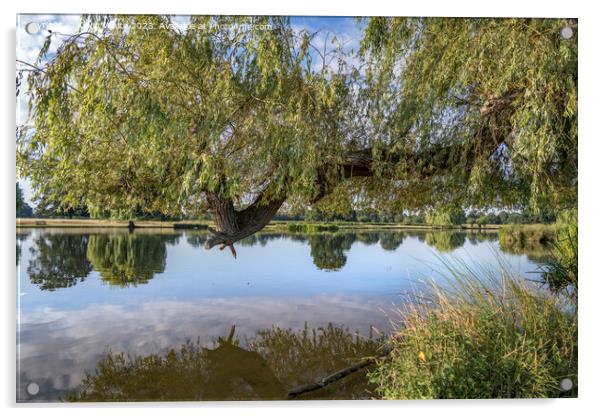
[542,239]
[535,239]
[481,336]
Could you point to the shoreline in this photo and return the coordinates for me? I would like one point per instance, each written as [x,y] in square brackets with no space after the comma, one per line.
[202,225]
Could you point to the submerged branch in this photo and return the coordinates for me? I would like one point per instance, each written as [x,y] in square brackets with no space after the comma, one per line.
[294,393]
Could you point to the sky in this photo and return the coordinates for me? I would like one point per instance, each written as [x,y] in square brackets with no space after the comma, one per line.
[32,30]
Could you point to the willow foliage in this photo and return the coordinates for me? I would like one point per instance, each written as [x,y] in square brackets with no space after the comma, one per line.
[135,114]
[501,92]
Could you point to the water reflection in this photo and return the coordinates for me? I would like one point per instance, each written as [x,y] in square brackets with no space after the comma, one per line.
[480,237]
[122,259]
[368,238]
[445,242]
[57,345]
[263,238]
[263,367]
[277,282]
[391,241]
[328,250]
[196,240]
[537,252]
[58,261]
[22,236]
[128,259]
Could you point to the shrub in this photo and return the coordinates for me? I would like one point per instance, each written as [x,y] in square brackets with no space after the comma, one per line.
[481,338]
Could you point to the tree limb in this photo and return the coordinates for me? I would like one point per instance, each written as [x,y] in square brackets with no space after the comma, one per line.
[235,225]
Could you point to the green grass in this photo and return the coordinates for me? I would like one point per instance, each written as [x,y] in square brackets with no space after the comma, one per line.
[479,336]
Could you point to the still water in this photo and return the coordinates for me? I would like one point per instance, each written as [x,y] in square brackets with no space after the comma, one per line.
[151,315]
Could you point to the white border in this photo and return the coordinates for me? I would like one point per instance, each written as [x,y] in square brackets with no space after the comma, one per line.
[590,203]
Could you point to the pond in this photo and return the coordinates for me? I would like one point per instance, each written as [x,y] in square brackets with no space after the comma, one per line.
[109,315]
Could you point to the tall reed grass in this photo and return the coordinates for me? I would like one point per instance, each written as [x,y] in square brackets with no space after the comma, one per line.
[481,335]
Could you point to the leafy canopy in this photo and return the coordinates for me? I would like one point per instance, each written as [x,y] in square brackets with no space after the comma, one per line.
[501,92]
[134,114]
[152,117]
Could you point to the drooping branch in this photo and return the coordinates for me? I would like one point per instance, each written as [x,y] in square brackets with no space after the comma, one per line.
[233,225]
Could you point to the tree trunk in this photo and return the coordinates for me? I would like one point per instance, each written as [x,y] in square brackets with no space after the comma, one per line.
[232,225]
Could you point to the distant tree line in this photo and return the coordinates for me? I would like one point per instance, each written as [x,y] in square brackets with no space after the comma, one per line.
[45,209]
[450,217]
[512,217]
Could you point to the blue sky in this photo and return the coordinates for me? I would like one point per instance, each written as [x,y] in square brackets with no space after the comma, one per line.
[32,29]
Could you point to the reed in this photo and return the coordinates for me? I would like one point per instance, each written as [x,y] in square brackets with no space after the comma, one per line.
[479,335]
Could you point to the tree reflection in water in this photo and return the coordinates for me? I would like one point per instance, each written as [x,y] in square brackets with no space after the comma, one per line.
[445,241]
[476,237]
[58,260]
[328,250]
[196,239]
[21,236]
[129,259]
[271,363]
[368,237]
[122,259]
[263,238]
[390,241]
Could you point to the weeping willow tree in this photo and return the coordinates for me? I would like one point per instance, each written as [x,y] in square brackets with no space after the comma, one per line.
[239,116]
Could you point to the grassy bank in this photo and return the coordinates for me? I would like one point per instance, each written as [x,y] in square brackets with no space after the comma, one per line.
[482,337]
[105,223]
[280,225]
